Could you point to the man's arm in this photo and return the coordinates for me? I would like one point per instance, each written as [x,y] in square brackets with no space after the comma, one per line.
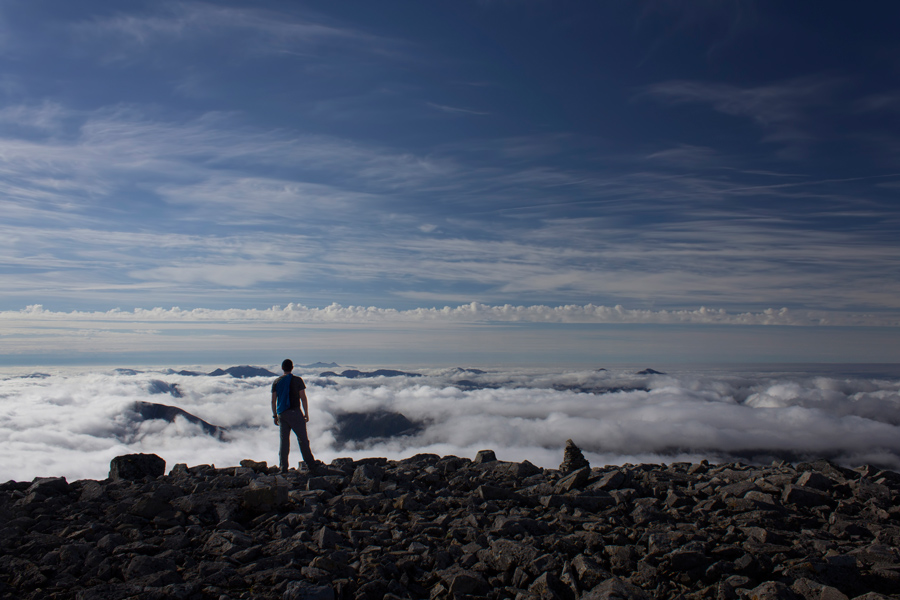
[274,401]
[305,404]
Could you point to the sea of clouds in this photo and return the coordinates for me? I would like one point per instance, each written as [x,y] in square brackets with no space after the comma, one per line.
[73,423]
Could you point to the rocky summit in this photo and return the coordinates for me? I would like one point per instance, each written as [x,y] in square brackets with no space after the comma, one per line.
[446,527]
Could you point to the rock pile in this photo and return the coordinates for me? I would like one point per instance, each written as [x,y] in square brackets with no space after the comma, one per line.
[446,527]
[573,459]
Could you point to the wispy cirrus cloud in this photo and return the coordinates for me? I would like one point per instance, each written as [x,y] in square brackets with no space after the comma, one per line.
[393,223]
[782,109]
[885,101]
[454,110]
[261,31]
[721,23]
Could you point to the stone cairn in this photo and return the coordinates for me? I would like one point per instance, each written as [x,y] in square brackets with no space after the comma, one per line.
[573,459]
[431,527]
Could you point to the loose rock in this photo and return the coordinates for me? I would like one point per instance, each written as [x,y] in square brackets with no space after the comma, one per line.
[449,528]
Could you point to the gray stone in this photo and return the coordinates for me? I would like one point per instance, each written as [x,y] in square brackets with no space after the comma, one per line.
[226,543]
[328,539]
[805,496]
[304,590]
[141,567]
[484,456]
[615,588]
[507,554]
[772,590]
[150,506]
[813,590]
[548,587]
[258,467]
[686,560]
[48,486]
[574,480]
[610,481]
[815,480]
[590,573]
[265,493]
[467,583]
[133,467]
[367,477]
[490,492]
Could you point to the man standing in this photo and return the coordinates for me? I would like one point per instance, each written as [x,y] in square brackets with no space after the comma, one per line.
[288,394]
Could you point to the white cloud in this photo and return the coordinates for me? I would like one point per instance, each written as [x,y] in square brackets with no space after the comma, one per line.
[467,313]
[74,424]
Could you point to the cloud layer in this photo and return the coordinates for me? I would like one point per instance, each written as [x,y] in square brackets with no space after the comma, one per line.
[74,424]
[473,312]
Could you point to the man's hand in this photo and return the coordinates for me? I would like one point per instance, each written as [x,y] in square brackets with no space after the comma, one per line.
[276,419]
[306,418]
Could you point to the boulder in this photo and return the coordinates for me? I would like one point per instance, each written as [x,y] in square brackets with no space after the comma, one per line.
[484,456]
[772,590]
[265,493]
[48,486]
[134,467]
[615,588]
[574,480]
[805,496]
[304,590]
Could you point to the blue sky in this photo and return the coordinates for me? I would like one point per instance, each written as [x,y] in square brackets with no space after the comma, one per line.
[706,179]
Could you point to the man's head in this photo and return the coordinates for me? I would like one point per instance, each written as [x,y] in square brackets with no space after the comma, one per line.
[287,365]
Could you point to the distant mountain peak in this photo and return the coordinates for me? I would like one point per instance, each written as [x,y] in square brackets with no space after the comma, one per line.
[320,365]
[243,372]
[355,374]
[649,372]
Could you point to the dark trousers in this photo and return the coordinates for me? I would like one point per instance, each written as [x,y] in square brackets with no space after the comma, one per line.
[293,420]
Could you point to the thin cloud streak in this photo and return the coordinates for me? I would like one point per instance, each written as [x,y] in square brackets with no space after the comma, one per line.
[782,109]
[468,313]
[263,32]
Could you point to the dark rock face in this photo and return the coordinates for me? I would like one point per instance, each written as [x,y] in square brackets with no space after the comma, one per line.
[150,410]
[355,427]
[133,467]
[451,528]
